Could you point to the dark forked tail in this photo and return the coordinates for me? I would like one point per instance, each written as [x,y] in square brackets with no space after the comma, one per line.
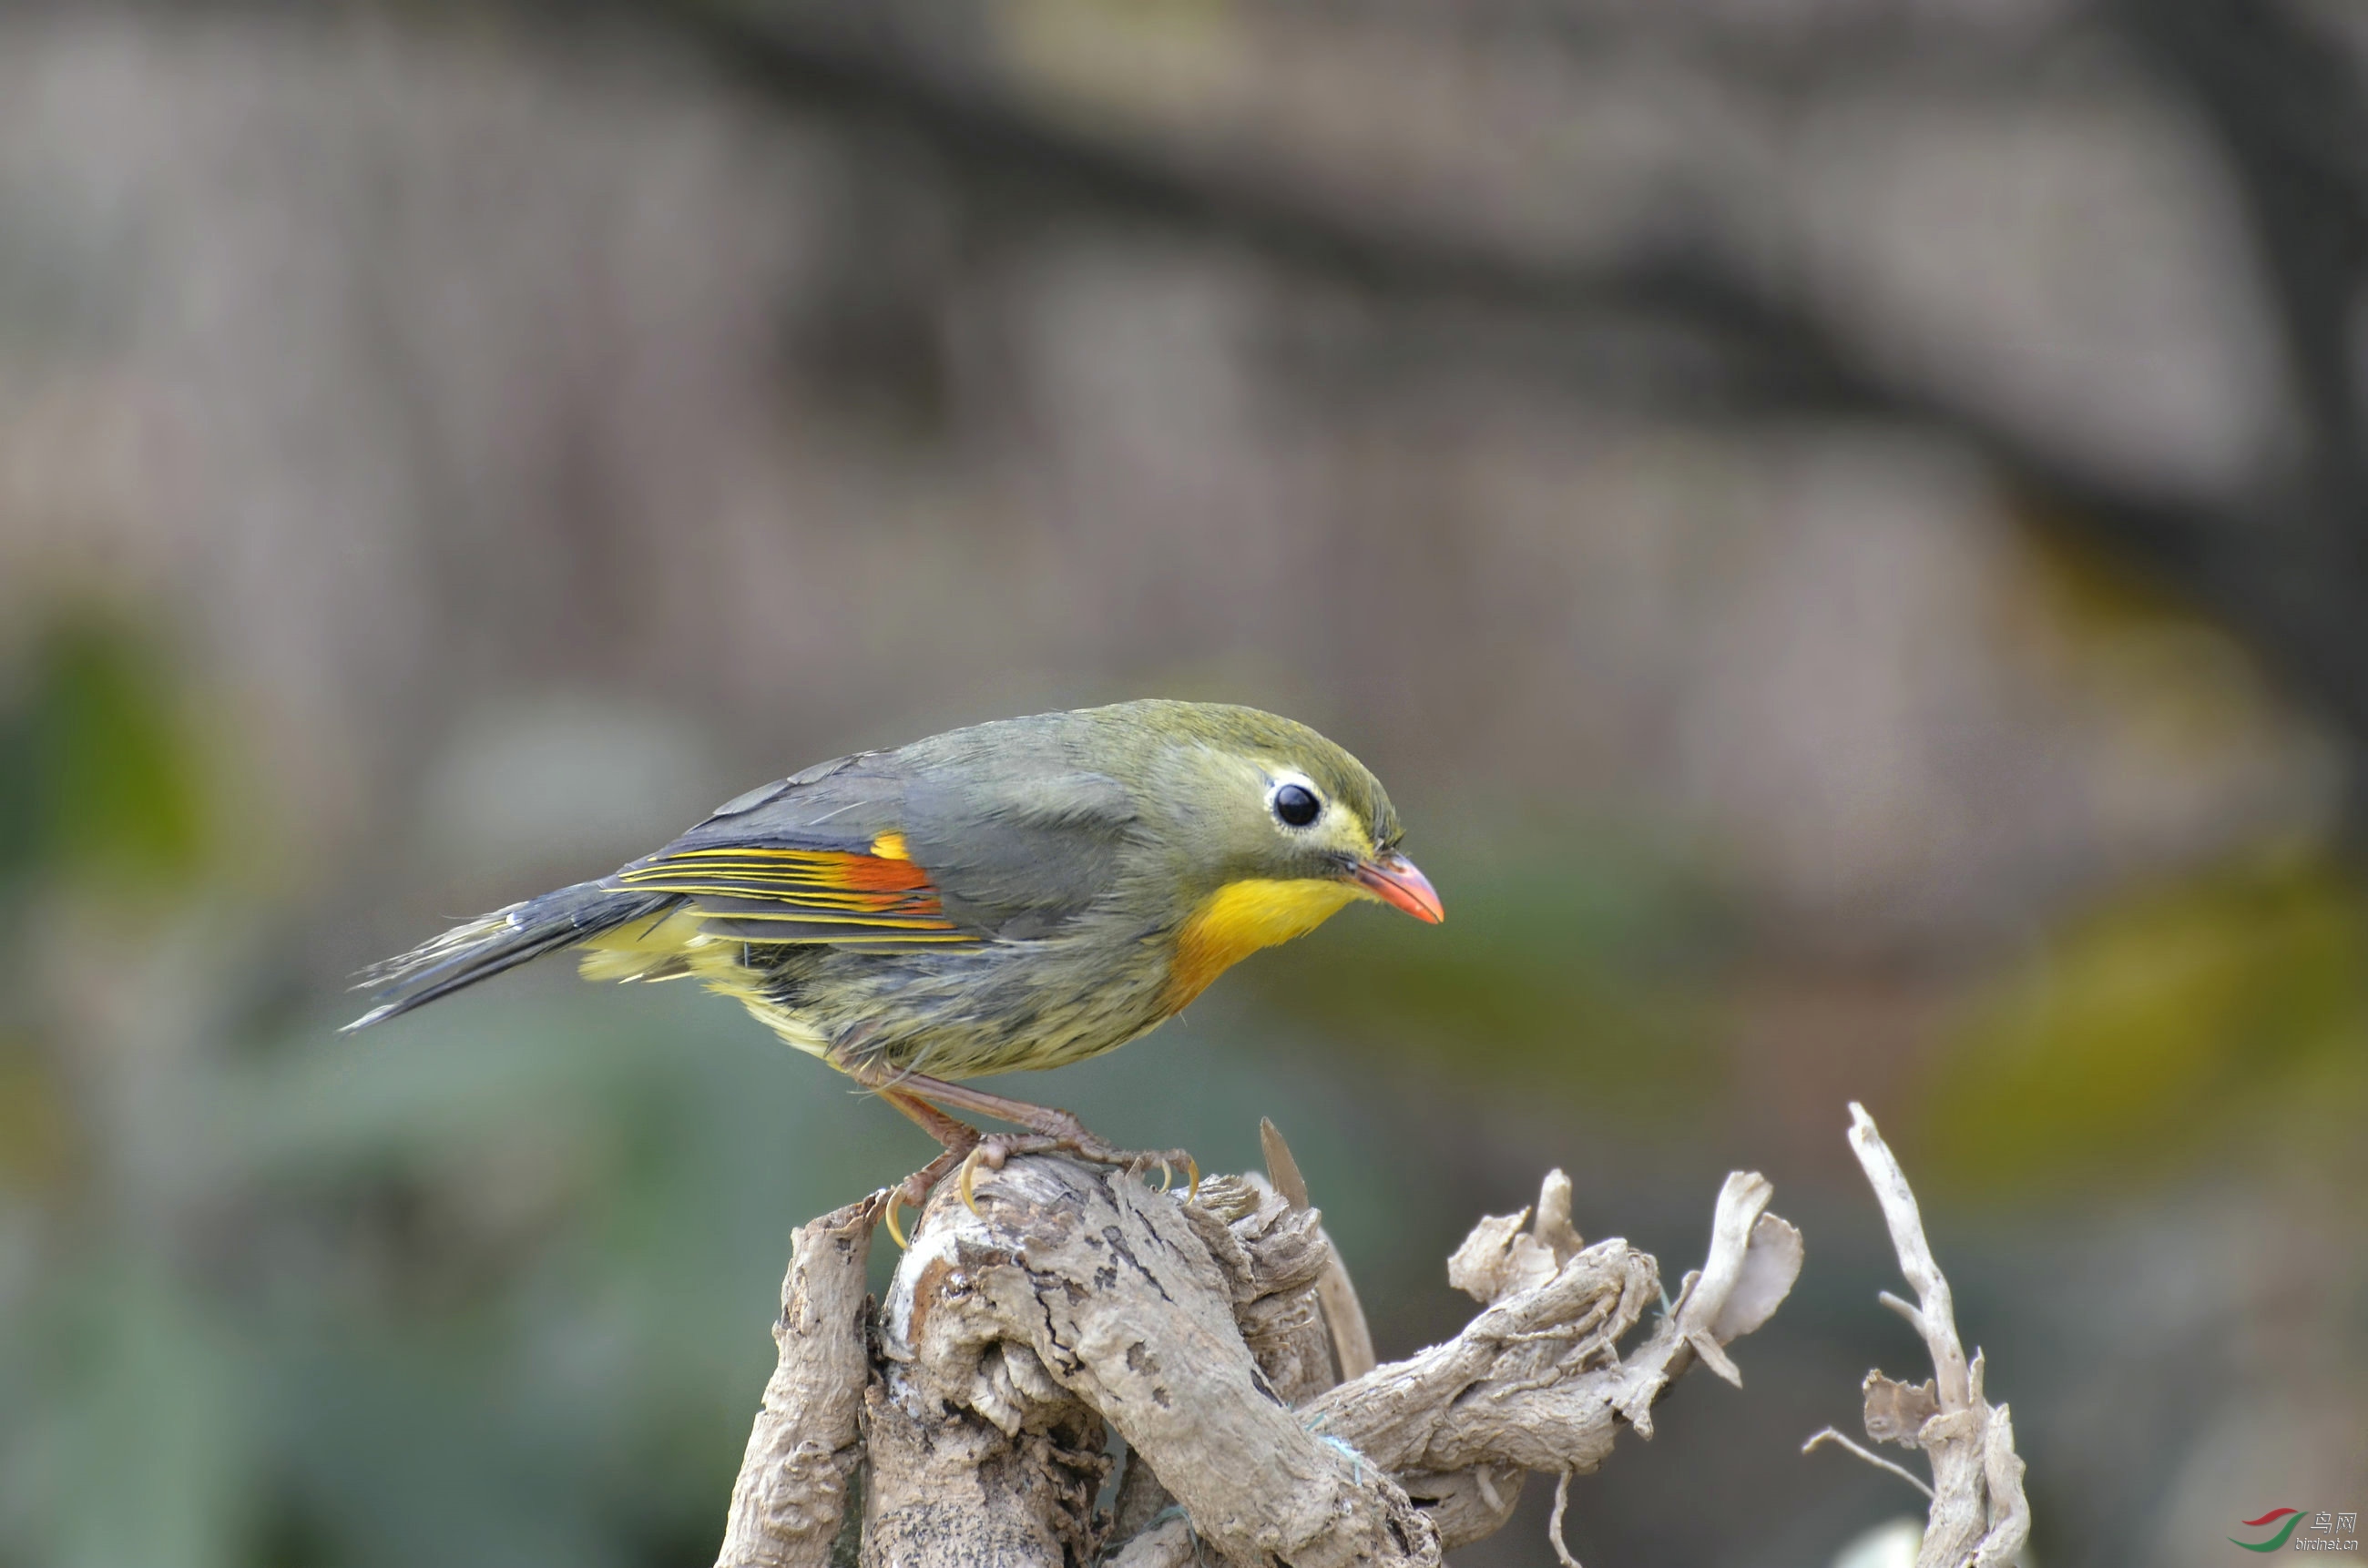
[504,939]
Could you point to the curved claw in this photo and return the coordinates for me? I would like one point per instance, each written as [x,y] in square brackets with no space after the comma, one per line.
[970,1164]
[895,1198]
[1192,1192]
[1166,1176]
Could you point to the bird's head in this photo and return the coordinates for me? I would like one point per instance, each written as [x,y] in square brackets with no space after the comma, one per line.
[1271,829]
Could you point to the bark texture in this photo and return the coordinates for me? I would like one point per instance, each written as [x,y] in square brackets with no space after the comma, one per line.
[1210,1336]
[806,1443]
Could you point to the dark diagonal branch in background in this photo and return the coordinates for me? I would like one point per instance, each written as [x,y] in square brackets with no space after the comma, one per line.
[2286,108]
[2263,564]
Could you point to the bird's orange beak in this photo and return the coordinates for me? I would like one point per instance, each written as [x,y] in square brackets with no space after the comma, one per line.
[1395,879]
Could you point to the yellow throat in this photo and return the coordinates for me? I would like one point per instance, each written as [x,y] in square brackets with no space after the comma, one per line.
[1241,917]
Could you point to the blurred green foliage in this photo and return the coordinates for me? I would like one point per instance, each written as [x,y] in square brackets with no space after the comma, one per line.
[99,776]
[117,1381]
[2175,1026]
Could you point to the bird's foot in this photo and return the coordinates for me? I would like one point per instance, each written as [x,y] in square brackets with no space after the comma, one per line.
[915,1189]
[1050,1132]
[1059,1132]
[991,1151]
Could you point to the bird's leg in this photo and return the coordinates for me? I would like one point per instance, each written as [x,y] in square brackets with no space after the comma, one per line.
[960,1140]
[1043,1120]
[958,1137]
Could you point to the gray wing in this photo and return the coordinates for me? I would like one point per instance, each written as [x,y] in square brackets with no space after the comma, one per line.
[1018,855]
[997,846]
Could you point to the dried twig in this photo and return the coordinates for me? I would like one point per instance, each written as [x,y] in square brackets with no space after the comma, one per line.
[1829,1434]
[1979,1517]
[1534,1382]
[1554,1525]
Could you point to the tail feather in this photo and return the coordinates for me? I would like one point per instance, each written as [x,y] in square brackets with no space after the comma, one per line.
[504,939]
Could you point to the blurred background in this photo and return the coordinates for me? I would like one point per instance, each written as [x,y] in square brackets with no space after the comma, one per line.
[1843,525]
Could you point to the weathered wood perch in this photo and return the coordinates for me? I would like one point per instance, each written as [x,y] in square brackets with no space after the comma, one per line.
[976,1399]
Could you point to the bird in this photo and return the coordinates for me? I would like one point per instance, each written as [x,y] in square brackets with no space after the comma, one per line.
[1019,894]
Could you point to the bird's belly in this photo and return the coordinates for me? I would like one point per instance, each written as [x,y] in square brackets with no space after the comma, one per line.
[1001,1007]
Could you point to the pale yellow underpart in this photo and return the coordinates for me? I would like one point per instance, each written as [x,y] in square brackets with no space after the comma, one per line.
[675,947]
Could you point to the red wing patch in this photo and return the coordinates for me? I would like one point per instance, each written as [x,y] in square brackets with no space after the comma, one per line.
[809,894]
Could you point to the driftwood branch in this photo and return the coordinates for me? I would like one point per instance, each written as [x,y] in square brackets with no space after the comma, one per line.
[1535,1382]
[1979,1517]
[803,1450]
[1074,1302]
[1076,1297]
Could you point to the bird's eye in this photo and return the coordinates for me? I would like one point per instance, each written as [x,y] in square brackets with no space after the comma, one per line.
[1296,805]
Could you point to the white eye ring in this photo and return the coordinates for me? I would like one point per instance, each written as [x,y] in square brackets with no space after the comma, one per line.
[1295,802]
